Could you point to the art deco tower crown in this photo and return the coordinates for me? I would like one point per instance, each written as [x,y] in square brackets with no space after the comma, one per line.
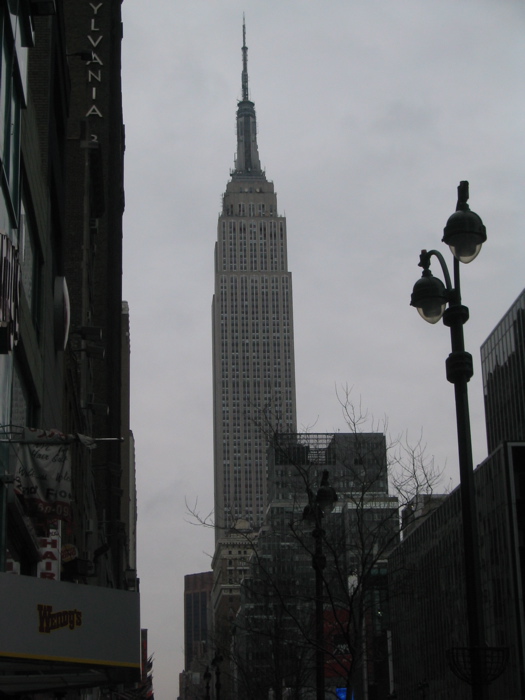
[247,160]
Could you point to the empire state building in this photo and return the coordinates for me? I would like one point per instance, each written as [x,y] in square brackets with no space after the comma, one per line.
[253,346]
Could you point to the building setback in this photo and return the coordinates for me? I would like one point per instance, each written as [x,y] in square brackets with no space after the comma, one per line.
[253,346]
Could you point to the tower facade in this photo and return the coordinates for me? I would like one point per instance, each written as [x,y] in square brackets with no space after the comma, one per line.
[197,615]
[93,263]
[253,347]
[503,367]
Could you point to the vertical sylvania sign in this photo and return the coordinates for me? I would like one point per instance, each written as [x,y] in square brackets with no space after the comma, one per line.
[94,67]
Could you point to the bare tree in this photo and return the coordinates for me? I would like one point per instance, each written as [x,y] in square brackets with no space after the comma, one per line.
[374,482]
[273,649]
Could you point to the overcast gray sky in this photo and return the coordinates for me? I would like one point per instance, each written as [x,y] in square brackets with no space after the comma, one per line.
[369,112]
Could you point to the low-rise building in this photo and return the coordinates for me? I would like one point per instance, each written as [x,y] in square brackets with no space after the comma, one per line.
[275,630]
[427,589]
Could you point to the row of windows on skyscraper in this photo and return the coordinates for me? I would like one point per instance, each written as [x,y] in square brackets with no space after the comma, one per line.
[249,208]
[255,304]
[230,227]
[267,243]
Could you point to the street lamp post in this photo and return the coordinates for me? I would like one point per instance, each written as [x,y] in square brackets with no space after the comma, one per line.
[216,663]
[317,508]
[465,234]
[207,679]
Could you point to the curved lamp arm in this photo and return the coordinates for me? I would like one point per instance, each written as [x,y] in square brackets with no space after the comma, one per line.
[424,262]
[430,296]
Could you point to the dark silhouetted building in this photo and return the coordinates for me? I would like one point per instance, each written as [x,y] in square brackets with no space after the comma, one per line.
[197,635]
[70,617]
[427,578]
[275,638]
[503,367]
[427,585]
[197,616]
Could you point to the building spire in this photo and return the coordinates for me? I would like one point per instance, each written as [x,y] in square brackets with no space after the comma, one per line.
[245,94]
[247,158]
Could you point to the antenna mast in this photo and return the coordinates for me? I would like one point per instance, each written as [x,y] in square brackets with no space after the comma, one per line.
[245,95]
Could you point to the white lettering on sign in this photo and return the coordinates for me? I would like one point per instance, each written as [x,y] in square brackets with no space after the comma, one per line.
[94,76]
[94,73]
[95,59]
[49,565]
[93,111]
[95,42]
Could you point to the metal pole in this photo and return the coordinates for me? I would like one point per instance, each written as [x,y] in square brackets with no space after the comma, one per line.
[207,678]
[217,683]
[459,372]
[324,503]
[5,480]
[3,524]
[216,662]
[319,563]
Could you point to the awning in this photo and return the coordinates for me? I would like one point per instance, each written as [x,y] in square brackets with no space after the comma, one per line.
[22,677]
[57,635]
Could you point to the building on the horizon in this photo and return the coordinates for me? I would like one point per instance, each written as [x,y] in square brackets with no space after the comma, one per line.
[197,634]
[197,615]
[503,368]
[253,342]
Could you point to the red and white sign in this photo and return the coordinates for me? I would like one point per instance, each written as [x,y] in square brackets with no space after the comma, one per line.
[69,552]
[49,565]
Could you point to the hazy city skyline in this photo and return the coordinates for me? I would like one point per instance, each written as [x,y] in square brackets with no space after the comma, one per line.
[368,117]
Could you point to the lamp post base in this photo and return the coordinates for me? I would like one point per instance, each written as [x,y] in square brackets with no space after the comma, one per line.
[478,665]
